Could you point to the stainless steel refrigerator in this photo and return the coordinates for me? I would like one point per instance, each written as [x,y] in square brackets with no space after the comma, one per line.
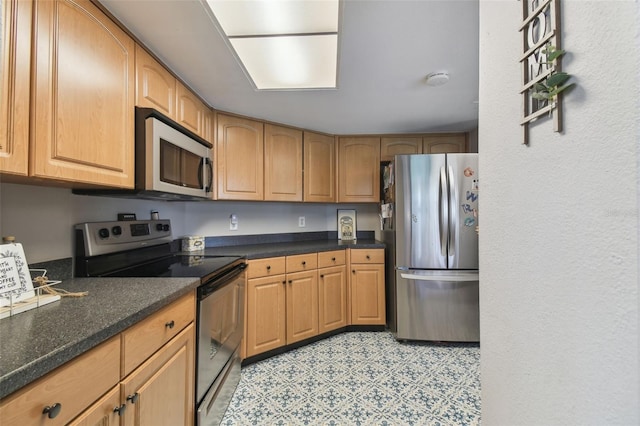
[435,293]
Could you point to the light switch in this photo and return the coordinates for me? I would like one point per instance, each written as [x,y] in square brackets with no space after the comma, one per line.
[233,222]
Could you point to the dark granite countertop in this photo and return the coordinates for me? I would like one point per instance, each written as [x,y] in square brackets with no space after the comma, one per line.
[257,251]
[37,341]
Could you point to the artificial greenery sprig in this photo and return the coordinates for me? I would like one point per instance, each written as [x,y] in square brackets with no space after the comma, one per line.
[550,87]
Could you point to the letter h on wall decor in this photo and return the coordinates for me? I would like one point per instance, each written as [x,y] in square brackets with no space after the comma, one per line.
[540,30]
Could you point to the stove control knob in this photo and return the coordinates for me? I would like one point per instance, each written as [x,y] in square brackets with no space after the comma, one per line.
[116,230]
[159,227]
[103,233]
[165,228]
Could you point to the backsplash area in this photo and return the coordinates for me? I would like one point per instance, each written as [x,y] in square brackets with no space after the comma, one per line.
[42,218]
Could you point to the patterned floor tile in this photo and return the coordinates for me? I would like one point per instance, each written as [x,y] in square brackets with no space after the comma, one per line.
[361,378]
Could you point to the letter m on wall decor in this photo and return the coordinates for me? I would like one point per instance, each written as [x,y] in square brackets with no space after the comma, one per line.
[540,29]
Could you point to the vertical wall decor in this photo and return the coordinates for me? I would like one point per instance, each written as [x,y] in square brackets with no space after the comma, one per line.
[540,62]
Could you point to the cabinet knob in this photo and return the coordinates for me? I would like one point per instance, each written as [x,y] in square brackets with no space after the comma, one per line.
[304,263]
[52,410]
[368,257]
[120,410]
[133,398]
[322,276]
[284,282]
[353,271]
[290,281]
[170,324]
[333,259]
[268,267]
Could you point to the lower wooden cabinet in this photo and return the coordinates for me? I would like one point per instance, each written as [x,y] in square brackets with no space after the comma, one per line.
[160,391]
[92,390]
[265,321]
[302,305]
[366,284]
[332,290]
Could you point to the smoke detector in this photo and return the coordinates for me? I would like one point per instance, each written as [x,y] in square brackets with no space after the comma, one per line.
[437,78]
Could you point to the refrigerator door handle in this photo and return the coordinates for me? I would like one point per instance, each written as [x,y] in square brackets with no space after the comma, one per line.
[465,277]
[453,212]
[443,202]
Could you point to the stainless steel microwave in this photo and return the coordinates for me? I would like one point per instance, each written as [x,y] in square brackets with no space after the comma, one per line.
[170,160]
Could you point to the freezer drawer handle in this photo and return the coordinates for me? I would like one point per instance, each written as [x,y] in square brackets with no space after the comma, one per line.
[466,277]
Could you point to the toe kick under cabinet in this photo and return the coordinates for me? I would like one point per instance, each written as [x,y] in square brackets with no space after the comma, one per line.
[144,375]
[294,298]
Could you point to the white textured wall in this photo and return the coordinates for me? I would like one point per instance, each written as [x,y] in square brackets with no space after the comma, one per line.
[42,218]
[560,225]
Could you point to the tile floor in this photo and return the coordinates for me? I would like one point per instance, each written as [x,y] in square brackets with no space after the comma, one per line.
[361,378]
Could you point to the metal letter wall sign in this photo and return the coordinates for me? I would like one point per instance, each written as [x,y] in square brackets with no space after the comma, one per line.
[540,30]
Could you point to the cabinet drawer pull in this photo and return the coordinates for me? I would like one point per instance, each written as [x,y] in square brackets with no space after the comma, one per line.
[304,263]
[268,267]
[322,276]
[333,259]
[53,410]
[368,257]
[353,271]
[133,398]
[284,282]
[290,281]
[170,324]
[120,410]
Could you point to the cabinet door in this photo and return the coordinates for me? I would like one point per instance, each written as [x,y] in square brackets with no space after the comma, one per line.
[445,143]
[155,86]
[302,305]
[332,300]
[319,168]
[282,163]
[367,294]
[105,412]
[266,310]
[84,96]
[15,72]
[359,169]
[192,113]
[161,390]
[240,163]
[392,146]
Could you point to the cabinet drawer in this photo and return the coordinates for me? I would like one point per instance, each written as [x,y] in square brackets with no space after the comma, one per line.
[302,262]
[331,258]
[266,267]
[141,340]
[367,255]
[75,386]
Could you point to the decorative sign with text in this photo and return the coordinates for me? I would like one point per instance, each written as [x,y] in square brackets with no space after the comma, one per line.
[541,37]
[15,278]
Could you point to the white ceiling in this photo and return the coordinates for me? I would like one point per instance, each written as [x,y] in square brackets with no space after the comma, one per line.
[387,47]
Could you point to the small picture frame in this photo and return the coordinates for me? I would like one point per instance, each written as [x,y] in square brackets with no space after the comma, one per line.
[347,225]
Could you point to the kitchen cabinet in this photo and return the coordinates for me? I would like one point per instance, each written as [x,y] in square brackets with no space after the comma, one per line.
[282,163]
[366,285]
[83,96]
[319,168]
[240,158]
[302,297]
[66,391]
[444,143]
[157,88]
[358,169]
[332,291]
[158,389]
[392,146]
[15,69]
[265,313]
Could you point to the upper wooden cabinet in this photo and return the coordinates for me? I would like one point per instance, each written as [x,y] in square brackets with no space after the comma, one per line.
[319,168]
[15,68]
[358,169]
[392,146]
[282,163]
[444,143]
[83,109]
[157,88]
[240,158]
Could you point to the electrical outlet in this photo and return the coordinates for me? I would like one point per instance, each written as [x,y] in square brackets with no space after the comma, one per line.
[233,222]
[301,222]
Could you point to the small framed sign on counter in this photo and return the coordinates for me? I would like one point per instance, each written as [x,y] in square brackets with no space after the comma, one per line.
[346,225]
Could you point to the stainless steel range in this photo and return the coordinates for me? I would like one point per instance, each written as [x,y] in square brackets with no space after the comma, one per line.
[142,248]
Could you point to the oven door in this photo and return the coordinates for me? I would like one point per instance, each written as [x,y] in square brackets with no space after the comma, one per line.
[177,163]
[220,326]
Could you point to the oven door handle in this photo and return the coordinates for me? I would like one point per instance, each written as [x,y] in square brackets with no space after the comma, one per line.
[219,282]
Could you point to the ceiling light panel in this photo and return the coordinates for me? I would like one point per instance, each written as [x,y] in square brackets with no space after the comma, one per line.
[290,62]
[262,17]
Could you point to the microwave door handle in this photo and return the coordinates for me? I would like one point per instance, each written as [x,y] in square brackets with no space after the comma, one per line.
[200,171]
[209,187]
